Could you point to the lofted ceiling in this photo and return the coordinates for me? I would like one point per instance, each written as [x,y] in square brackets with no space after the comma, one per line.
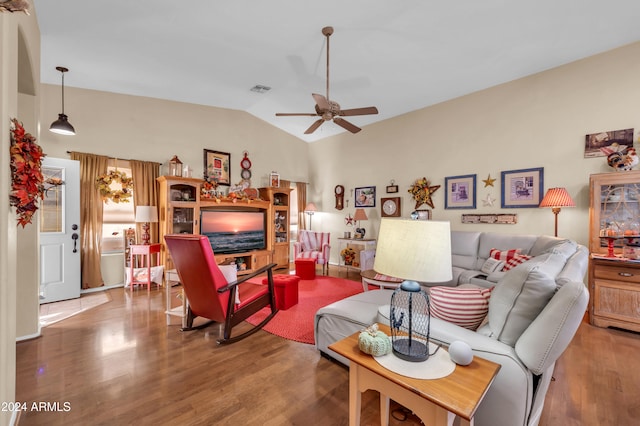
[399,56]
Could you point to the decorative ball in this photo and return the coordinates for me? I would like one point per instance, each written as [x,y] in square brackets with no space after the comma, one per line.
[460,353]
[374,342]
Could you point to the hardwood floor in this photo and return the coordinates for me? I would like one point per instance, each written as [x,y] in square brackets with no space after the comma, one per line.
[119,363]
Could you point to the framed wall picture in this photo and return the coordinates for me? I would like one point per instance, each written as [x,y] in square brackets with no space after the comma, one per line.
[274,179]
[522,188]
[366,196]
[217,167]
[461,192]
[602,144]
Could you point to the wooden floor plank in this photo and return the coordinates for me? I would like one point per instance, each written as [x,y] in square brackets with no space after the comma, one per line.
[119,363]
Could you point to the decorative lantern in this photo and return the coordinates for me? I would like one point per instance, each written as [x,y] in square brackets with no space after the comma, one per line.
[410,314]
[175,166]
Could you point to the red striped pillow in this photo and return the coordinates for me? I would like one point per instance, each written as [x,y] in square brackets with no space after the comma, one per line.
[465,307]
[382,277]
[515,261]
[504,255]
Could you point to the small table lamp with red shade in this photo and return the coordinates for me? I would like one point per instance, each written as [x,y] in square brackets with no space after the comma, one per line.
[146,215]
[557,198]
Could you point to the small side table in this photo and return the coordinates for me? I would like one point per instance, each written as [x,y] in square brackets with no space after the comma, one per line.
[141,258]
[436,402]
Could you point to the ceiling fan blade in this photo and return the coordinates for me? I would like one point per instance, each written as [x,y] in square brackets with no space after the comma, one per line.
[289,114]
[314,126]
[346,125]
[359,111]
[321,101]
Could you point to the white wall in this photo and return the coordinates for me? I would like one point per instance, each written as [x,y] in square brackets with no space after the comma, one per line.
[538,121]
[133,127]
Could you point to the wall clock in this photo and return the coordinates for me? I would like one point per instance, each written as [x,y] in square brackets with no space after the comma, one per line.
[339,192]
[390,207]
[245,163]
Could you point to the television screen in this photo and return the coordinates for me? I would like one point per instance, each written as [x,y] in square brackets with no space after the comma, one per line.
[234,231]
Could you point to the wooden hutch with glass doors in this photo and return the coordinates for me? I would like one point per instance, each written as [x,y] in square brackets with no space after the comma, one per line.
[614,243]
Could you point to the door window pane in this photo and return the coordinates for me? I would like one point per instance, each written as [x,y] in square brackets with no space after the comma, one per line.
[51,207]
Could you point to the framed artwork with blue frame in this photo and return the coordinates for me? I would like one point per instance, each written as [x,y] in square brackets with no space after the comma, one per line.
[461,192]
[522,188]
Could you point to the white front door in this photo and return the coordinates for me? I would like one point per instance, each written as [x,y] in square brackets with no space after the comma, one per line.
[60,231]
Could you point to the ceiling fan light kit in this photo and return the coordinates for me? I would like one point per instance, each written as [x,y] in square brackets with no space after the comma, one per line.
[327,109]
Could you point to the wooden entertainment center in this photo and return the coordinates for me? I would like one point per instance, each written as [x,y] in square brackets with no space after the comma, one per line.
[179,212]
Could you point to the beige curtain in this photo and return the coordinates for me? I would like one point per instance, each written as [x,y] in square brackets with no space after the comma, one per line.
[301,187]
[145,191]
[91,167]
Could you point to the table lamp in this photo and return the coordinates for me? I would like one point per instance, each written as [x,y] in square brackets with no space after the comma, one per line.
[359,215]
[146,215]
[556,198]
[310,210]
[415,251]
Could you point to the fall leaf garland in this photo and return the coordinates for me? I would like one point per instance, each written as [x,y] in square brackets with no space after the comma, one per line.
[27,182]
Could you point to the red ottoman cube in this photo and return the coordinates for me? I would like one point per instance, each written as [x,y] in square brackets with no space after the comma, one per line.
[286,290]
[306,268]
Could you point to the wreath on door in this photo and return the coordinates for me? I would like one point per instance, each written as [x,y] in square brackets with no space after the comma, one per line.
[122,195]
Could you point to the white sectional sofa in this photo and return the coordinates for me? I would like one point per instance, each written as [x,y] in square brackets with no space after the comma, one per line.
[533,313]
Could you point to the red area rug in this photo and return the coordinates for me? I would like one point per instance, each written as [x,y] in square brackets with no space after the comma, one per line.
[296,323]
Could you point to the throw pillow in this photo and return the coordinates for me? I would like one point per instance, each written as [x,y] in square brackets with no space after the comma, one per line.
[511,257]
[465,307]
[515,261]
[382,277]
[492,265]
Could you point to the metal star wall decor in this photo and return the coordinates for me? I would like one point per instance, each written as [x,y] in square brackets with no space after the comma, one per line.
[488,201]
[422,190]
[488,181]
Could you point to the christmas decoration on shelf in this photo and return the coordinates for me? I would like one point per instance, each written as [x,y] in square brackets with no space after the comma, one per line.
[27,182]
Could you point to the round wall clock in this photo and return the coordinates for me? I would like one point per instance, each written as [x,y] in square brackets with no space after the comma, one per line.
[245,163]
[390,207]
[339,192]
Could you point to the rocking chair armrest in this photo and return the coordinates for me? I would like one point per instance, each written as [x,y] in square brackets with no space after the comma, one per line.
[244,278]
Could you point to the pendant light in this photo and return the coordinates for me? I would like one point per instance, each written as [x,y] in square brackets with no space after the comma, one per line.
[62,125]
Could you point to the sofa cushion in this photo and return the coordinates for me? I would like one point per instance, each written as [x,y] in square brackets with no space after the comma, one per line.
[464,249]
[520,296]
[466,307]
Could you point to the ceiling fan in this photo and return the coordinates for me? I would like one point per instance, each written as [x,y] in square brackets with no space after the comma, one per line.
[327,109]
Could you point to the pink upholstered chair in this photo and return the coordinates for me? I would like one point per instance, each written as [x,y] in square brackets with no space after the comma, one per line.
[208,292]
[313,245]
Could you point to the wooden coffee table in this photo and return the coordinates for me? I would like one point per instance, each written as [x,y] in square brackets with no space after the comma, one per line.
[435,402]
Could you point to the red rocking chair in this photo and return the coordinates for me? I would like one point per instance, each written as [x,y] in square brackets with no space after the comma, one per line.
[208,292]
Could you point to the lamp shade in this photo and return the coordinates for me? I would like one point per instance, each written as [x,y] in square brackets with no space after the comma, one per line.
[360,214]
[311,207]
[146,214]
[62,126]
[557,197]
[418,250]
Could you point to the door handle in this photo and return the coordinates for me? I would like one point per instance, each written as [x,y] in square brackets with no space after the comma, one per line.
[74,237]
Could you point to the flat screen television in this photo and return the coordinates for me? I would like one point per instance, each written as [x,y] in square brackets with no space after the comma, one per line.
[234,231]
